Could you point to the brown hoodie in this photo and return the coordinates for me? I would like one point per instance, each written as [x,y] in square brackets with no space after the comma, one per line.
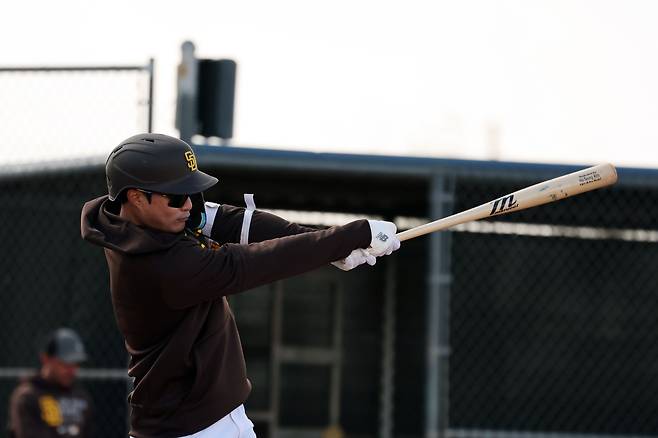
[168,293]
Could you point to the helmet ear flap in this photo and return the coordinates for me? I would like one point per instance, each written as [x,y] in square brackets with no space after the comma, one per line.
[197,219]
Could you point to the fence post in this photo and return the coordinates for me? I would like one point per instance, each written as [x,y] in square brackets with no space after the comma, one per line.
[437,314]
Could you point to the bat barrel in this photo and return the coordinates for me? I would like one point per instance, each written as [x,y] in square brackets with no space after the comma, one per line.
[552,190]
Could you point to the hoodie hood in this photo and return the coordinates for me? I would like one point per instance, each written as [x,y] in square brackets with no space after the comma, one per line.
[101,225]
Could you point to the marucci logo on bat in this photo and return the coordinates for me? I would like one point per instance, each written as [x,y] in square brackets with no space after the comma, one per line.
[503,204]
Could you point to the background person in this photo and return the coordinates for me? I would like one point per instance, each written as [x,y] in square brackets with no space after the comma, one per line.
[51,404]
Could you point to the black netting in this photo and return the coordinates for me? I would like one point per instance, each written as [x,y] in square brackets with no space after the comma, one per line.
[51,121]
[57,114]
[545,333]
[555,334]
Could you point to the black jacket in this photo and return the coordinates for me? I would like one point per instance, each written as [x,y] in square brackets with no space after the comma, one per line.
[168,292]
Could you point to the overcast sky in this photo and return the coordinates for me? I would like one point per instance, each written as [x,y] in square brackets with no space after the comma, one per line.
[521,80]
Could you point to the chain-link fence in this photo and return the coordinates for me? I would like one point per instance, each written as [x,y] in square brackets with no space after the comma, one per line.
[544,320]
[63,113]
[552,328]
[52,117]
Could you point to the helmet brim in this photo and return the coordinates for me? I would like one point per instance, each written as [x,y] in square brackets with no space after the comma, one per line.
[195,182]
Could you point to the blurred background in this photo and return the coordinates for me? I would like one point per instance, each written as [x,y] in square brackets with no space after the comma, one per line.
[534,324]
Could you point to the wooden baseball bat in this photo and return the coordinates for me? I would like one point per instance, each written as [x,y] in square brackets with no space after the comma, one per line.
[552,190]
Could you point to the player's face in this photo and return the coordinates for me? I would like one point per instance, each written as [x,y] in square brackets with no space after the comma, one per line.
[159,214]
[57,371]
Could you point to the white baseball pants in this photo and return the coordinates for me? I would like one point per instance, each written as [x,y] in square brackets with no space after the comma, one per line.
[234,425]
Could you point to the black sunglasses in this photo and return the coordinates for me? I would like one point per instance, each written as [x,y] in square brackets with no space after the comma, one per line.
[175,201]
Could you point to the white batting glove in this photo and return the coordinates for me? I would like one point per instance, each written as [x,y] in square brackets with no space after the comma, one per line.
[357,257]
[384,241]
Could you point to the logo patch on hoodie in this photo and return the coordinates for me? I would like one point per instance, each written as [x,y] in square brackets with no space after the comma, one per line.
[191,161]
[50,412]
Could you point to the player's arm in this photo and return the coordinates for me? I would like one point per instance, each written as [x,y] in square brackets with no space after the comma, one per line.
[25,417]
[266,226]
[229,224]
[208,274]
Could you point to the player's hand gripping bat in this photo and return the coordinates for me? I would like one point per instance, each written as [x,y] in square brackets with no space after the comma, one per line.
[555,189]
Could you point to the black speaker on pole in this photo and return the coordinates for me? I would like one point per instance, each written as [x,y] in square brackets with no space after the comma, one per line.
[216,97]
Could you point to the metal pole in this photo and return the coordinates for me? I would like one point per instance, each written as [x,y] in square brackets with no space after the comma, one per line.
[151,68]
[73,68]
[438,305]
[334,396]
[386,410]
[275,366]
[187,84]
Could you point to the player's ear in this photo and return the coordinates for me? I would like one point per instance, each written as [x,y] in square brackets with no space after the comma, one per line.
[134,197]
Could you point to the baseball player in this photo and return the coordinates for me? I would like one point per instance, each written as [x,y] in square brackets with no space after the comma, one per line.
[50,405]
[173,258]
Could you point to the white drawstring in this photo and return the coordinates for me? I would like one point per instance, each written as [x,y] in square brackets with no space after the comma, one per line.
[246,220]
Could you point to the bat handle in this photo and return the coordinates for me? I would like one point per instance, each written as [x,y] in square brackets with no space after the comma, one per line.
[406,235]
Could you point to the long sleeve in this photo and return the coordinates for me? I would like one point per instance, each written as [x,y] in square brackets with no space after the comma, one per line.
[266,226]
[207,274]
[227,224]
[228,221]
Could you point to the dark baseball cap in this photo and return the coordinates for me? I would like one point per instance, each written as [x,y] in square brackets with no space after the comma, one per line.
[65,344]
